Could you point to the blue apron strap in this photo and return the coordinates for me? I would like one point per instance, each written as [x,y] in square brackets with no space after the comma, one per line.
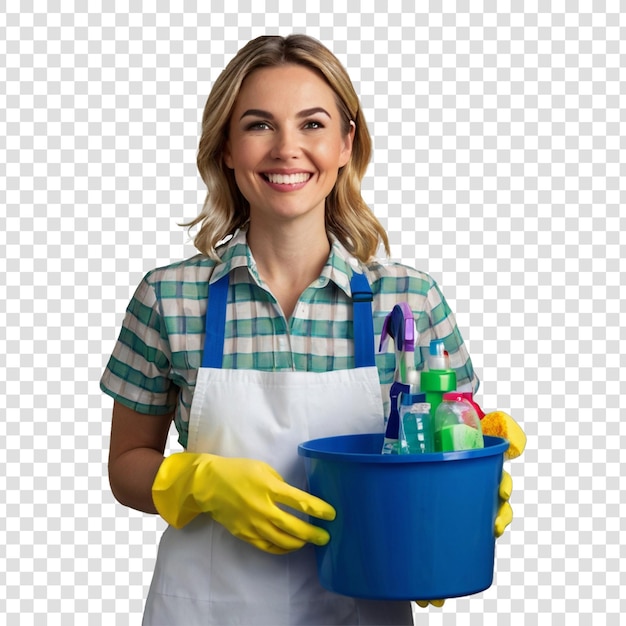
[215,324]
[363,321]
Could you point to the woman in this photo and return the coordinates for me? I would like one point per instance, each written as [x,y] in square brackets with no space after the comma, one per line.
[252,347]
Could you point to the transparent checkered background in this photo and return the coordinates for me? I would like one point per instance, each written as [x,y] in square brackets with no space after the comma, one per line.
[498,167]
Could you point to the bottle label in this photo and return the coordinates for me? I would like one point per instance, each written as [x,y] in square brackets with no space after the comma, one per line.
[416,431]
[458,437]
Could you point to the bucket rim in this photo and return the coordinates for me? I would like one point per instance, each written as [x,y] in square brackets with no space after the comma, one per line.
[317,449]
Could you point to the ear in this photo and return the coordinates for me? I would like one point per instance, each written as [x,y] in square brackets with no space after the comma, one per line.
[348,140]
[226,155]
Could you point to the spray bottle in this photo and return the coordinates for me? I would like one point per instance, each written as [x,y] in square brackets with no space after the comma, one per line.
[400,325]
[438,378]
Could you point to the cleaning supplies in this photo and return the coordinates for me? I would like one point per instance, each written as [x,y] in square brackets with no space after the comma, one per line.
[416,433]
[469,396]
[457,425]
[400,326]
[439,378]
[392,442]
[501,424]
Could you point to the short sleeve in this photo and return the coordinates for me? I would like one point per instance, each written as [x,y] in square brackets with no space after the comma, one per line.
[443,325]
[138,374]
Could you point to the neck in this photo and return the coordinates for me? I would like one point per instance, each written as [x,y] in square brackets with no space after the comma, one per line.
[288,260]
[287,253]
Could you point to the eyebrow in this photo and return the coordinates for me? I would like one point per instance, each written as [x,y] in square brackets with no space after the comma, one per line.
[267,115]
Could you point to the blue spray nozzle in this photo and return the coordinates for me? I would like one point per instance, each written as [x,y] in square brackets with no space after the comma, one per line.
[437,347]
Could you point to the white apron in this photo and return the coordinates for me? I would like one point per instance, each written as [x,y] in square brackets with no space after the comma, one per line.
[205,575]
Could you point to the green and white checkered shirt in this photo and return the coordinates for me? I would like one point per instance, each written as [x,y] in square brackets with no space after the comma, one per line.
[155,361]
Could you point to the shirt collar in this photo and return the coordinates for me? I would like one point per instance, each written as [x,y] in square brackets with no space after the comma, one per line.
[339,266]
[234,253]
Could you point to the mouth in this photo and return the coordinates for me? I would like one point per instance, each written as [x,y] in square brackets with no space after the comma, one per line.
[288,180]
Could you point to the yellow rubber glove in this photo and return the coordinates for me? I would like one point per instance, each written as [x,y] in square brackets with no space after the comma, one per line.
[241,494]
[505,513]
[500,424]
[425,603]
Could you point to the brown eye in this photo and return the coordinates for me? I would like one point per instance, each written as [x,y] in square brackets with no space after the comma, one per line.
[258,126]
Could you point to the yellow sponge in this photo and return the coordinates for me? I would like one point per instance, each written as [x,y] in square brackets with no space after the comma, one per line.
[499,424]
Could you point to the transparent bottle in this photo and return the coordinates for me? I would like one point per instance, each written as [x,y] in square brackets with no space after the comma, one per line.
[457,425]
[416,424]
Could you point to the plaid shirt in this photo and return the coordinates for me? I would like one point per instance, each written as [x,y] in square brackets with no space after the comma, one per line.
[155,361]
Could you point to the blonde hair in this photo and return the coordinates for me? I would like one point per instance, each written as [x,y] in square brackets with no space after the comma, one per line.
[225,209]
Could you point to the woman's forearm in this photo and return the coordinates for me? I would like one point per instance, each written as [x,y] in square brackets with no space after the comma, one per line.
[131,477]
[137,445]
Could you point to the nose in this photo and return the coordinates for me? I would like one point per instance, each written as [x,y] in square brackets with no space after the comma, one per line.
[286,144]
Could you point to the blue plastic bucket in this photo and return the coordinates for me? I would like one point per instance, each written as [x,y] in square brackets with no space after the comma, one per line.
[408,527]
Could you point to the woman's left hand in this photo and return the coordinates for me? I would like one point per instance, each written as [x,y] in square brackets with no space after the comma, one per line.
[505,512]
[501,424]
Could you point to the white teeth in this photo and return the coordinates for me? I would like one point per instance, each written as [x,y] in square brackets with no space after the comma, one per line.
[291,179]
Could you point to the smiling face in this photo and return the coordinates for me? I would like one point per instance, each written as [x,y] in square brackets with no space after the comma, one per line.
[286,143]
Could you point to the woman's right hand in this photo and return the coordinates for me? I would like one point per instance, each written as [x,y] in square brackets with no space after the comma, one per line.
[241,494]
[424,603]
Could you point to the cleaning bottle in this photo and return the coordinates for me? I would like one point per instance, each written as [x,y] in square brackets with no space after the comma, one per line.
[438,378]
[457,425]
[416,432]
[399,325]
[392,442]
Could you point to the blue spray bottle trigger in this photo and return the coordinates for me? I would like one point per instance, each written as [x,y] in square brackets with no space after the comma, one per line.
[400,326]
[392,432]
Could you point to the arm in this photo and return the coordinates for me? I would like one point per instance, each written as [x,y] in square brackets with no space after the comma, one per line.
[135,455]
